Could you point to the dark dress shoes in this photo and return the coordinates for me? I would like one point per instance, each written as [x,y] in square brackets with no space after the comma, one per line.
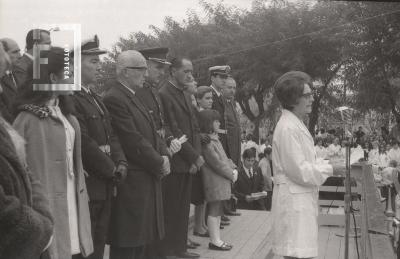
[224,223]
[201,235]
[232,213]
[191,244]
[225,218]
[187,255]
[223,247]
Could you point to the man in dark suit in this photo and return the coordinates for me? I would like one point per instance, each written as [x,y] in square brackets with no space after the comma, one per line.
[181,119]
[102,155]
[8,82]
[231,121]
[24,65]
[250,180]
[218,76]
[137,218]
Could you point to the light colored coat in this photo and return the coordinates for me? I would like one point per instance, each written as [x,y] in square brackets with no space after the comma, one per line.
[295,195]
[217,171]
[46,158]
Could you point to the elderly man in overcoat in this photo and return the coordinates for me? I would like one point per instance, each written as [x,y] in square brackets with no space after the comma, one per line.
[137,218]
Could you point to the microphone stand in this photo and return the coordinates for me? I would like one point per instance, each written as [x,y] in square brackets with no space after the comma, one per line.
[347,202]
[347,185]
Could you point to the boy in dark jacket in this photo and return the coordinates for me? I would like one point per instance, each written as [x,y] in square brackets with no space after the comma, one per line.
[250,180]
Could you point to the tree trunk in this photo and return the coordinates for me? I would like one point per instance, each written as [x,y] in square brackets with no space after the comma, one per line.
[313,117]
[256,132]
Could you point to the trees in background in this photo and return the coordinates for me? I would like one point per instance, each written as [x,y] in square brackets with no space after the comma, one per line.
[354,59]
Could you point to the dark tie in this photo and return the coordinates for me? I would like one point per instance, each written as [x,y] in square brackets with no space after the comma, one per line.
[93,95]
[11,76]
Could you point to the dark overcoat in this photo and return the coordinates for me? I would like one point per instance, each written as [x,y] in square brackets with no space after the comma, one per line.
[7,97]
[181,119]
[137,214]
[232,125]
[95,123]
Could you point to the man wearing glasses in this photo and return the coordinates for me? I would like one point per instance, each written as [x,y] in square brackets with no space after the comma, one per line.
[137,219]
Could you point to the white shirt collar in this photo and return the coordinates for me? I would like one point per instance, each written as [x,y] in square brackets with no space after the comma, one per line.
[86,89]
[28,55]
[127,88]
[216,91]
[248,171]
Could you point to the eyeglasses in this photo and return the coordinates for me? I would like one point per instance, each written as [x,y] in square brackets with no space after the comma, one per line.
[307,95]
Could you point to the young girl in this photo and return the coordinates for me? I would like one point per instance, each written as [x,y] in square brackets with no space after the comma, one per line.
[217,173]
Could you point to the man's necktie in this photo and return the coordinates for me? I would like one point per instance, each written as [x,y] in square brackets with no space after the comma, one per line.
[11,76]
[95,101]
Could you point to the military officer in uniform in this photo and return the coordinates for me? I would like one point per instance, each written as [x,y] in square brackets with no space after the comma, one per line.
[219,76]
[102,155]
[156,65]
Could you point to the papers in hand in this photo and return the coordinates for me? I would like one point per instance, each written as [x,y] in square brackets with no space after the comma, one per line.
[259,195]
[182,139]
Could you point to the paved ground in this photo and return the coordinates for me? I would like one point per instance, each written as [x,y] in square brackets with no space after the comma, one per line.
[249,234]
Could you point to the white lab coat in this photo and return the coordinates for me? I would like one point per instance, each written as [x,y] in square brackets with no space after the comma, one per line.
[295,196]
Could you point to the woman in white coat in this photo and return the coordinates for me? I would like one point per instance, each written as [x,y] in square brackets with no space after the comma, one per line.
[297,172]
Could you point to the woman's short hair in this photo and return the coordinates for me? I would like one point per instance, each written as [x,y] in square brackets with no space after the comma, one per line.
[206,120]
[202,90]
[290,86]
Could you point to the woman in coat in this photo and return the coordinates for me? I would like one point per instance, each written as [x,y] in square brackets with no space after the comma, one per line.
[217,173]
[53,152]
[297,174]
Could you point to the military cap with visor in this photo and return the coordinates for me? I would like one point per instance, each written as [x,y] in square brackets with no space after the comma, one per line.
[158,55]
